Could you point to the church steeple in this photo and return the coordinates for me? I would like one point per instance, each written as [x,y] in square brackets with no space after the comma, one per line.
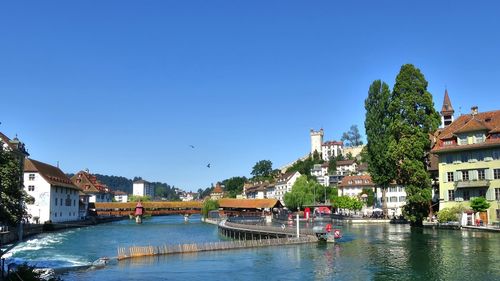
[446,111]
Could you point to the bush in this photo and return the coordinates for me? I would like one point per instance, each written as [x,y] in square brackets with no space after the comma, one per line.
[450,214]
[479,204]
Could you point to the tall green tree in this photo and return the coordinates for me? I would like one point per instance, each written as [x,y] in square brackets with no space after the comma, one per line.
[11,195]
[262,170]
[352,137]
[234,186]
[302,193]
[381,166]
[412,119]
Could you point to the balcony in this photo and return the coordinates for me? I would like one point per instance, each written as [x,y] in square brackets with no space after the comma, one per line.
[472,183]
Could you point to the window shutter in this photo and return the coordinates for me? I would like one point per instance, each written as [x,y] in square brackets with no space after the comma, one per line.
[489,174]
[473,174]
[445,177]
[446,197]
[490,194]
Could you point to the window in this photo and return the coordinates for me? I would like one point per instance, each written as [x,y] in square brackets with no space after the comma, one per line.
[451,195]
[68,201]
[402,198]
[465,175]
[55,214]
[31,188]
[60,214]
[449,159]
[450,176]
[481,174]
[448,142]
[393,199]
[55,201]
[482,193]
[495,154]
[31,177]
[393,189]
[462,140]
[497,194]
[496,174]
[466,195]
[479,138]
[61,203]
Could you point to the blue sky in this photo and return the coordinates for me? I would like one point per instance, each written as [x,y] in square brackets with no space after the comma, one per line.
[124,87]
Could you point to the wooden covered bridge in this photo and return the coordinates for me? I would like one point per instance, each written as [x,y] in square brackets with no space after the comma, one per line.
[150,208]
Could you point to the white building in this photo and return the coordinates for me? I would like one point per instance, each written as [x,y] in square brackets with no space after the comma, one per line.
[56,197]
[352,186]
[396,199]
[331,149]
[320,171]
[284,184]
[121,196]
[347,167]
[143,188]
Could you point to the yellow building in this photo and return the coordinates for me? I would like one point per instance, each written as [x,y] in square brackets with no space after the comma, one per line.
[469,159]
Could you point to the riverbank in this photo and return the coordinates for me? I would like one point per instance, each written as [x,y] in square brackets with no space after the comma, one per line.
[457,226]
[30,230]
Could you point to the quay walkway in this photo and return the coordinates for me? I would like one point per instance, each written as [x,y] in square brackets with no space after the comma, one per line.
[251,232]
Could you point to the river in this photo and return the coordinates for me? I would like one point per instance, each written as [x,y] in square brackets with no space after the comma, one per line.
[366,252]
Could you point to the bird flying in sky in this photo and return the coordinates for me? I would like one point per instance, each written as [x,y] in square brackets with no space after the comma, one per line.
[192,146]
[208,166]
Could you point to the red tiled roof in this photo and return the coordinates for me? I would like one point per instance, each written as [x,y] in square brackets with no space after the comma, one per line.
[328,143]
[89,183]
[51,174]
[345,162]
[249,203]
[484,121]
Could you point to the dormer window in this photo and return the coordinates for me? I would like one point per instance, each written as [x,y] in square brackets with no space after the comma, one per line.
[448,142]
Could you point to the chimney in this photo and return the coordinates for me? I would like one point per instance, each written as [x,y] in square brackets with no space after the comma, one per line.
[473,110]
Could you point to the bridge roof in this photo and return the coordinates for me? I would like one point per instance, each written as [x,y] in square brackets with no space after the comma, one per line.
[249,203]
[150,205]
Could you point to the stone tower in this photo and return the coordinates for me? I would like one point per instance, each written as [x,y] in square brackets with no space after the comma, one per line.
[446,111]
[316,140]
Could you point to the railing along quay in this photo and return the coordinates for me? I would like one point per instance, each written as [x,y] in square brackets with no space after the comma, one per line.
[138,251]
[229,228]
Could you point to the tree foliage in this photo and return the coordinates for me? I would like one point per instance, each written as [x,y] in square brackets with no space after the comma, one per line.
[11,193]
[380,164]
[262,170]
[234,186]
[479,204]
[352,137]
[348,203]
[137,198]
[370,199]
[304,166]
[302,193]
[412,119]
[209,205]
[450,214]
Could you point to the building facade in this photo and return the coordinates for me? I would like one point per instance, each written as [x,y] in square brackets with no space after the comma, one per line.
[120,196]
[331,149]
[143,188]
[284,184]
[469,160]
[56,197]
[352,186]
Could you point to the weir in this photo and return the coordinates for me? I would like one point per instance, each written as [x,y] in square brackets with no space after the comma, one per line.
[143,251]
[248,236]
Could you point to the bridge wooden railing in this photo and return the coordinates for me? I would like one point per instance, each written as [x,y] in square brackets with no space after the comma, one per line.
[268,229]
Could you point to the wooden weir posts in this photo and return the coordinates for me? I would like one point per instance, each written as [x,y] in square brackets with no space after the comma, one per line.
[142,251]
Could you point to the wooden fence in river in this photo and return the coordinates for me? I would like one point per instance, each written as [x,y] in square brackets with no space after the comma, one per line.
[143,251]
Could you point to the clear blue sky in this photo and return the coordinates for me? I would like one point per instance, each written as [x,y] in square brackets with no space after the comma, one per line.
[124,87]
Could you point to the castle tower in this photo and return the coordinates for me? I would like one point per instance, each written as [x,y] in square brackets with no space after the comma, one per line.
[446,111]
[316,140]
